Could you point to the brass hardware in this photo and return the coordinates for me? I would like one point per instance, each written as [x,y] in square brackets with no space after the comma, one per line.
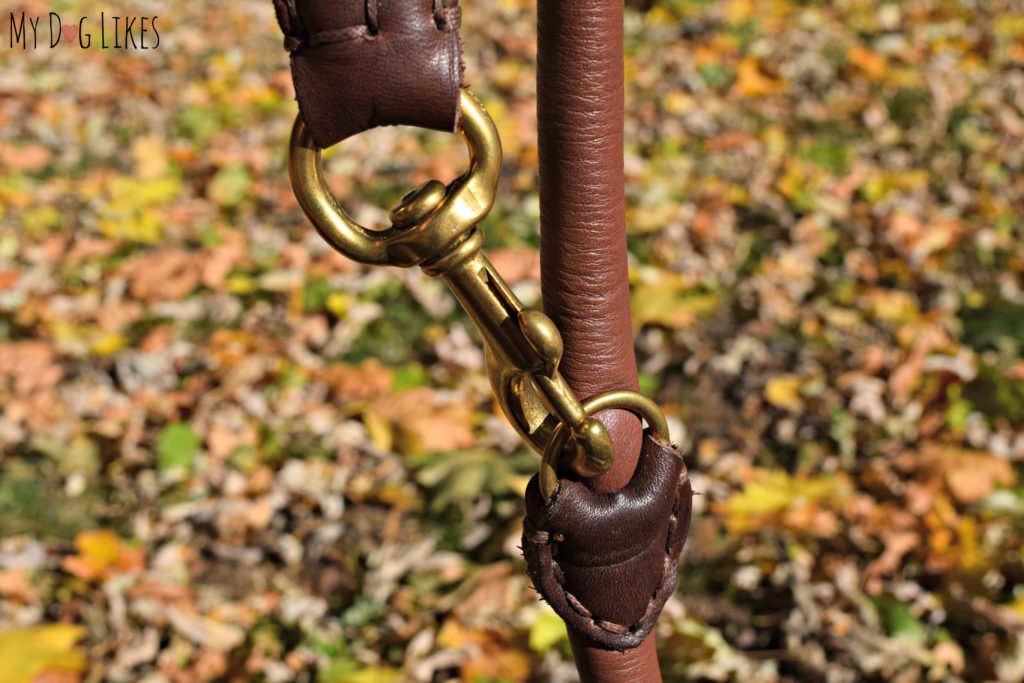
[418,204]
[466,203]
[637,404]
[434,227]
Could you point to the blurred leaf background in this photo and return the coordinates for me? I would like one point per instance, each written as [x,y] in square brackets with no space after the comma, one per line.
[227,453]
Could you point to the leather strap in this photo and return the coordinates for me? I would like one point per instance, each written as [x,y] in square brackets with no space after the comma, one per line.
[584,271]
[606,562]
[358,64]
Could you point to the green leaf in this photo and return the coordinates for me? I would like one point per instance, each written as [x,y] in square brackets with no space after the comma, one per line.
[176,447]
[547,632]
[230,185]
[899,621]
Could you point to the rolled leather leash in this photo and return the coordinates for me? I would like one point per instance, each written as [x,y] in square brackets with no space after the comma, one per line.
[604,555]
[584,269]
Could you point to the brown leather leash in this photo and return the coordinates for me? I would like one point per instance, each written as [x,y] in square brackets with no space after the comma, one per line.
[608,513]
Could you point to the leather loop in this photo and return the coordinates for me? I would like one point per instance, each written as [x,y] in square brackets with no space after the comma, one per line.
[606,562]
[359,64]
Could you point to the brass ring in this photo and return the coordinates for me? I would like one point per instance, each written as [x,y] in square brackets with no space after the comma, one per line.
[638,404]
[408,242]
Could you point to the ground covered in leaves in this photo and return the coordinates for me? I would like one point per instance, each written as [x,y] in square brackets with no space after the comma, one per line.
[229,454]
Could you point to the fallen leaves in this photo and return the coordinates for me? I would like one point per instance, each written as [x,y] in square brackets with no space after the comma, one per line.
[31,364]
[670,301]
[969,476]
[297,452]
[775,500]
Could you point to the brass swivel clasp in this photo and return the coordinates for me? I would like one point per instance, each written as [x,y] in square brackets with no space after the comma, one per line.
[435,227]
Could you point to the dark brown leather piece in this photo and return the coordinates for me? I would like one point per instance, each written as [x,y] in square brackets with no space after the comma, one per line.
[606,562]
[584,271]
[358,64]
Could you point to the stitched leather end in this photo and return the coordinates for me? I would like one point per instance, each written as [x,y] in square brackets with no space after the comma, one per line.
[606,562]
[359,64]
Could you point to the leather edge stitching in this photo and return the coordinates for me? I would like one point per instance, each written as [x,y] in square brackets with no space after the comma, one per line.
[607,626]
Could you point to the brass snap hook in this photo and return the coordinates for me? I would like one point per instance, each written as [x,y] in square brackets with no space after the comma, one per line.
[421,229]
[435,227]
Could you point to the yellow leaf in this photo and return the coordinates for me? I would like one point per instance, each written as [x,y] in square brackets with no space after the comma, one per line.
[100,552]
[339,303]
[108,344]
[671,301]
[784,392]
[373,674]
[547,631]
[752,83]
[28,653]
[775,499]
[98,548]
[893,305]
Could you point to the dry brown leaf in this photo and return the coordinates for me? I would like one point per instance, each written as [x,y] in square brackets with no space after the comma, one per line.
[164,274]
[25,158]
[32,365]
[420,420]
[975,475]
[219,261]
[897,545]
[969,476]
[358,382]
[14,584]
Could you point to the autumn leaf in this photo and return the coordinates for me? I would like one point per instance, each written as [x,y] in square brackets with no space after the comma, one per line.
[775,499]
[420,420]
[870,63]
[670,301]
[751,82]
[100,554]
[30,653]
[783,391]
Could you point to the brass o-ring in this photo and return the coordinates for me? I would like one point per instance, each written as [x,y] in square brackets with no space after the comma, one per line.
[638,404]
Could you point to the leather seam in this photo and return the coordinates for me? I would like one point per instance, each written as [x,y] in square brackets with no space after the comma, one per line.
[340,35]
[610,627]
[371,17]
[446,19]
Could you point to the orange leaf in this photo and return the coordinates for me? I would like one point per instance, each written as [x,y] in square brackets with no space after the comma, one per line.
[100,554]
[750,82]
[870,63]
